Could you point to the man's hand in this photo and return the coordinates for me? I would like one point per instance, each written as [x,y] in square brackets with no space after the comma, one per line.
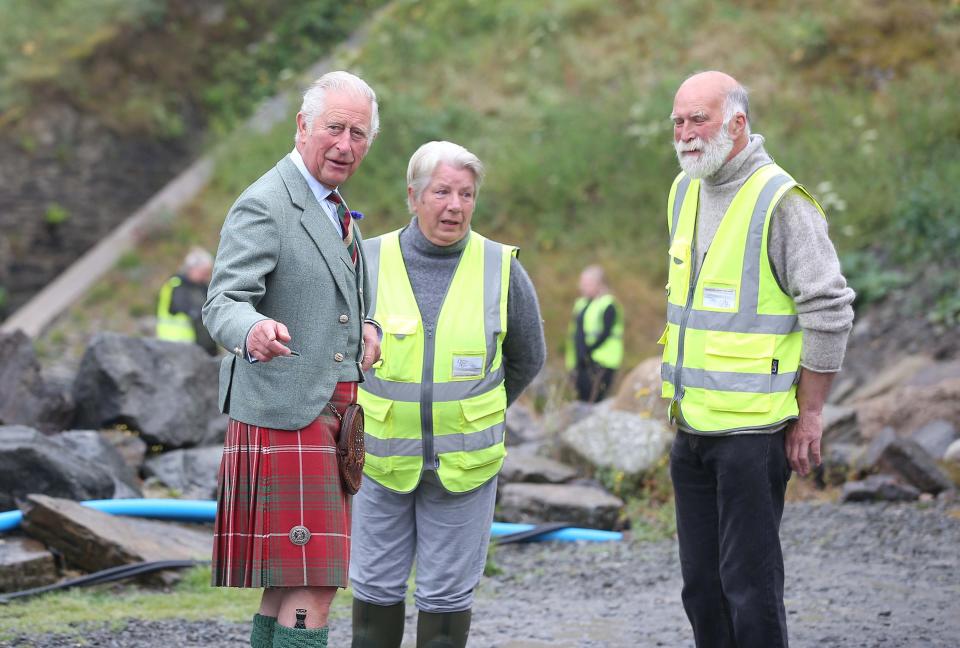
[803,440]
[371,346]
[264,340]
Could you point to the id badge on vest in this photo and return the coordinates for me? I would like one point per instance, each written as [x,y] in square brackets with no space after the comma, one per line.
[467,365]
[719,296]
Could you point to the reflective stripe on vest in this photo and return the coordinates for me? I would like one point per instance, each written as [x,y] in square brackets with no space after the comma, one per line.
[174,327]
[610,353]
[438,394]
[731,355]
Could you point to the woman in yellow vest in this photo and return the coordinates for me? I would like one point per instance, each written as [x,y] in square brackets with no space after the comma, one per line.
[462,338]
[594,337]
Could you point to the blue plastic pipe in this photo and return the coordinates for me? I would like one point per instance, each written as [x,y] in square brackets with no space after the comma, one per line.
[206,510]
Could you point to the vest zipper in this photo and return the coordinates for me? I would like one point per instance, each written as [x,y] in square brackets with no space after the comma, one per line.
[678,391]
[426,399]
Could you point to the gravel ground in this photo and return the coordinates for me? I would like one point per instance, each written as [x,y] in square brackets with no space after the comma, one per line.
[857,576]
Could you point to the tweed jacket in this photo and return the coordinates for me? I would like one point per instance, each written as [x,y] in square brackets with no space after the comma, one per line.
[281,258]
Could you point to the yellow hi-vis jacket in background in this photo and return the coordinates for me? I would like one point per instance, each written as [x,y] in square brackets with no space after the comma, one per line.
[731,355]
[174,327]
[438,395]
[610,353]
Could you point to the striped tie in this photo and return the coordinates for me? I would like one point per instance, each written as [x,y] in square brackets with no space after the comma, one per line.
[344,215]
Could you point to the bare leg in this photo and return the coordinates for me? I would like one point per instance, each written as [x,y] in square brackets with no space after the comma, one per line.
[315,600]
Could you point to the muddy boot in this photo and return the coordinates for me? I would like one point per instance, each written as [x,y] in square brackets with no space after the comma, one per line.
[377,626]
[443,629]
[284,637]
[261,635]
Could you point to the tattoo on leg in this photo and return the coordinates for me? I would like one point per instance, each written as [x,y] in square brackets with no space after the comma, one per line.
[301,618]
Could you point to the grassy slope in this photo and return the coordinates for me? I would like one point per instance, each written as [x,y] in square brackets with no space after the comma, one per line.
[566,102]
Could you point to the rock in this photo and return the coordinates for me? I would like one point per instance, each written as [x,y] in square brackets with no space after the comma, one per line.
[839,461]
[935,373]
[27,397]
[619,440]
[843,387]
[910,408]
[840,424]
[522,425]
[870,458]
[93,540]
[894,375]
[639,391]
[935,437]
[97,450]
[131,447]
[952,455]
[581,506]
[878,488]
[526,467]
[165,390]
[24,564]
[909,460]
[216,430]
[192,472]
[33,463]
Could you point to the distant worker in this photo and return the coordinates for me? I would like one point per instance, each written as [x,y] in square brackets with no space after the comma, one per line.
[595,337]
[181,301]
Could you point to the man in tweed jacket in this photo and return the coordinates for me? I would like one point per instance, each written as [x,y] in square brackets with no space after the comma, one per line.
[288,298]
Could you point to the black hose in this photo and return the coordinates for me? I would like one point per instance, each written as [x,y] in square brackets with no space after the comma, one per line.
[106,576]
[531,534]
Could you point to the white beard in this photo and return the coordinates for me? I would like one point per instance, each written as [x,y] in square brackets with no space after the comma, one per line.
[713,154]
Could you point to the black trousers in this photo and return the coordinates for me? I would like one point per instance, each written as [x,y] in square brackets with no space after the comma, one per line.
[592,382]
[729,496]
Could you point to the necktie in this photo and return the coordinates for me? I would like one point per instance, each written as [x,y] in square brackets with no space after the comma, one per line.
[344,215]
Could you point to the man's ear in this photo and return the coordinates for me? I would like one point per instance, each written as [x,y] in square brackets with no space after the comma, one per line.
[739,125]
[301,124]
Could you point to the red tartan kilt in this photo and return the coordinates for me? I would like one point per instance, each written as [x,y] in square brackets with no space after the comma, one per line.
[272,481]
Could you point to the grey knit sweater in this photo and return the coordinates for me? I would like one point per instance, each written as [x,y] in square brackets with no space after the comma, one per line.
[803,258]
[431,267]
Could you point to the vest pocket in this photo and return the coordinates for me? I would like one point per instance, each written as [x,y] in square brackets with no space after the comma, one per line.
[377,410]
[737,374]
[399,348]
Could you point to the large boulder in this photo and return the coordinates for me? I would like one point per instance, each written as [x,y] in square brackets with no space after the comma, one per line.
[167,391]
[840,424]
[24,564]
[95,449]
[31,462]
[890,378]
[27,396]
[625,442]
[582,506]
[639,391]
[935,437]
[910,407]
[93,540]
[878,488]
[523,426]
[191,472]
[910,461]
[529,467]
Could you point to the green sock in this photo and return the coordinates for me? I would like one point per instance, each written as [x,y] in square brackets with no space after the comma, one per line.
[261,635]
[284,637]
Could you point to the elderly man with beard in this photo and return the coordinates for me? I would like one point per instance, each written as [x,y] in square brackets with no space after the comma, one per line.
[758,316]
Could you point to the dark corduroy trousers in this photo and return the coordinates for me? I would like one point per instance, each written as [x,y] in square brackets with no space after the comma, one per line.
[729,499]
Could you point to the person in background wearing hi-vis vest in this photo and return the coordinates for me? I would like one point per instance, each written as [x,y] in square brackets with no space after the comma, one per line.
[462,338]
[594,350]
[181,300]
[758,315]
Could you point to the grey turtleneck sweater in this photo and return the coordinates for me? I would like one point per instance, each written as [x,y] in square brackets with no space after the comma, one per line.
[430,269]
[803,258]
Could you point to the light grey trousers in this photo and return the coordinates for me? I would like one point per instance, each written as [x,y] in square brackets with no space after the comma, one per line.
[447,533]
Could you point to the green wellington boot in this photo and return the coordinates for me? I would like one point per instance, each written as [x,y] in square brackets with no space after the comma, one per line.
[284,637]
[443,629]
[377,626]
[261,634]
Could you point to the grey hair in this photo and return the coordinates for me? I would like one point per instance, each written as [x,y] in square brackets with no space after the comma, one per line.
[737,101]
[314,99]
[196,257]
[428,157]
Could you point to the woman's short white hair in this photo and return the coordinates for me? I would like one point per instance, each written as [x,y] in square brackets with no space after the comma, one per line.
[314,99]
[428,157]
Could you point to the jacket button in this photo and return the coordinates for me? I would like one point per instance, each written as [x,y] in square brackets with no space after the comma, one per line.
[344,319]
[338,357]
[237,352]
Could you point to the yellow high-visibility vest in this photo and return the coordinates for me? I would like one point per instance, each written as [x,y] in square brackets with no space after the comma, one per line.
[731,355]
[437,395]
[174,327]
[610,353]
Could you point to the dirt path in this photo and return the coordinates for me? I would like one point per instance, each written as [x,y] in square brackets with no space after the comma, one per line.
[859,576]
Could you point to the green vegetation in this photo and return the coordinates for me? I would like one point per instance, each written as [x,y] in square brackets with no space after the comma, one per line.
[117,604]
[55,214]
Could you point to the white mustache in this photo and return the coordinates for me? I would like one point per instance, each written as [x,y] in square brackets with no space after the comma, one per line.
[695,144]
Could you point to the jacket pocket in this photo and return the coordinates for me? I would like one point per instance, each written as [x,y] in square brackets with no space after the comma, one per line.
[738,373]
[402,343]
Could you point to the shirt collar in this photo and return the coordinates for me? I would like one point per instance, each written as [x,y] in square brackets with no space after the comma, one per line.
[320,190]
